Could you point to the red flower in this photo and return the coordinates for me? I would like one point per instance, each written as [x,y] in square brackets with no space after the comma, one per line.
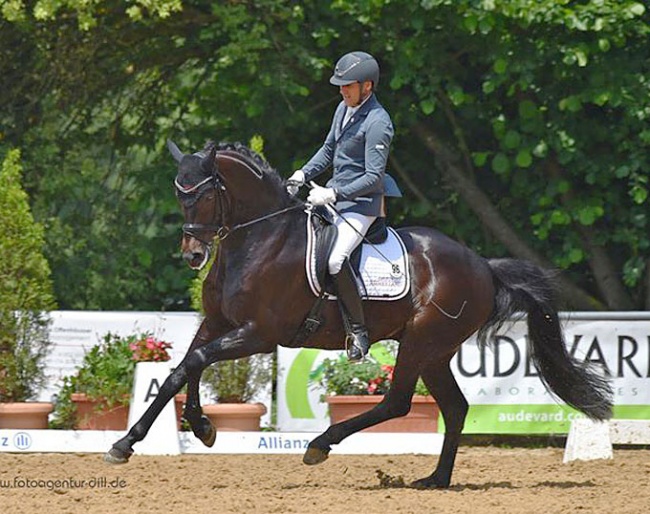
[148,348]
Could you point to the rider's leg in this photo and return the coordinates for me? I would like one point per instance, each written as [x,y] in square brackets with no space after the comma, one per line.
[350,233]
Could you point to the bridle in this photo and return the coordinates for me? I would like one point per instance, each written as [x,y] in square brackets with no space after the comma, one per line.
[219,226]
[194,193]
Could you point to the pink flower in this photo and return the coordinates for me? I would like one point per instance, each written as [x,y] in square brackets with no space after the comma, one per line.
[150,349]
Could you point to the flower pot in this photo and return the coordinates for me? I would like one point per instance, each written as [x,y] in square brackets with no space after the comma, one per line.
[179,404]
[25,414]
[89,418]
[235,417]
[423,416]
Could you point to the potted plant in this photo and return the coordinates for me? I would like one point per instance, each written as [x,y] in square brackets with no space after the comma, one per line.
[25,299]
[97,396]
[353,388]
[23,346]
[233,384]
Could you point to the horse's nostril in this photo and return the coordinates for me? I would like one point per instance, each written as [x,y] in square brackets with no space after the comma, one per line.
[192,256]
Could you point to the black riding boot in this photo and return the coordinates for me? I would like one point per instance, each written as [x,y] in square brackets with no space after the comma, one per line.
[348,295]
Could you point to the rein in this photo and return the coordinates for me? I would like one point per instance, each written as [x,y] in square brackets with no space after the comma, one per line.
[223,231]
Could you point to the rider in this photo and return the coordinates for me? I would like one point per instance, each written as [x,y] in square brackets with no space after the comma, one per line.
[357,146]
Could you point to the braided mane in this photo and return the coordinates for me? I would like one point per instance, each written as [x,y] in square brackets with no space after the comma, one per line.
[252,158]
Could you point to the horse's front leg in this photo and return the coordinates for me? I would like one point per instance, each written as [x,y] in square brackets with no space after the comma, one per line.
[200,424]
[123,449]
[238,343]
[396,403]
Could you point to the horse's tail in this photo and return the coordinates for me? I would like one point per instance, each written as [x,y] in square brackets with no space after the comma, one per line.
[522,287]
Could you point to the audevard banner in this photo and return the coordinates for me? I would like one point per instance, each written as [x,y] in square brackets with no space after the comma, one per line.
[500,382]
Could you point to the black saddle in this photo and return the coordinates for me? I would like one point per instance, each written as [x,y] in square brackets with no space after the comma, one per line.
[325,233]
[325,236]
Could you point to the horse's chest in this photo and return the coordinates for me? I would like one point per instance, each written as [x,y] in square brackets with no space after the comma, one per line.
[242,299]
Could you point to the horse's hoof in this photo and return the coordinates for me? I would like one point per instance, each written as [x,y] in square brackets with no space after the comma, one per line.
[430,482]
[205,432]
[209,437]
[315,456]
[115,456]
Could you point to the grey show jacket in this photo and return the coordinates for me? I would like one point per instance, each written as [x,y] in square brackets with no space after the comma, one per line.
[358,153]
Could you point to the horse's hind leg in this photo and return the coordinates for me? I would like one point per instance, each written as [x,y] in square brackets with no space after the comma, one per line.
[443,387]
[396,403]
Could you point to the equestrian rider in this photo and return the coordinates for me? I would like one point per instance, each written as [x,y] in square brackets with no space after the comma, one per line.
[357,146]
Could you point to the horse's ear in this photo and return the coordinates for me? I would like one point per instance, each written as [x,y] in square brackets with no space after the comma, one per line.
[208,162]
[173,149]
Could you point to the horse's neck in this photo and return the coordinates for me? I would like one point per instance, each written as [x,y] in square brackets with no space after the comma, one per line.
[261,243]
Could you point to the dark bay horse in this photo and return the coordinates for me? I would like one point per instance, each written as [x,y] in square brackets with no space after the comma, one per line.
[256,296]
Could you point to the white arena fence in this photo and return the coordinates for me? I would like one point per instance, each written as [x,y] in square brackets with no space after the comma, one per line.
[504,393]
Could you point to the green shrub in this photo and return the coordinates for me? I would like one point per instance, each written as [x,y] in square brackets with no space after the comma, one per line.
[105,375]
[25,290]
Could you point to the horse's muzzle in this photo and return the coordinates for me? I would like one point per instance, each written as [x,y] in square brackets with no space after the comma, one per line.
[196,259]
[195,252]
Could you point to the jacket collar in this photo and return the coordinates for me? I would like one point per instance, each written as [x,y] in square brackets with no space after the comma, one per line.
[363,111]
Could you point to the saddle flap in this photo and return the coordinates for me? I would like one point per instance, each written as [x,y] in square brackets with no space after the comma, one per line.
[382,269]
[324,230]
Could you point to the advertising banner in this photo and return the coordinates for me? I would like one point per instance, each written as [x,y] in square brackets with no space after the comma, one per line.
[500,382]
[73,333]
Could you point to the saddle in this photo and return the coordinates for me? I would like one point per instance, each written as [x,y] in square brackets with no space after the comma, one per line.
[324,229]
[381,267]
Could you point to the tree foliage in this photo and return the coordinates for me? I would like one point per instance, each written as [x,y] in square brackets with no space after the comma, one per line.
[25,290]
[521,125]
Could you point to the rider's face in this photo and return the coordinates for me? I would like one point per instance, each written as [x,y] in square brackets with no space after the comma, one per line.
[354,94]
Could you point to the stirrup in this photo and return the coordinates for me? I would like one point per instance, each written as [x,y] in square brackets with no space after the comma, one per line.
[357,345]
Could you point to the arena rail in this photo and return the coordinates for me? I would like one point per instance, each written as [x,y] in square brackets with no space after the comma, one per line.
[99,441]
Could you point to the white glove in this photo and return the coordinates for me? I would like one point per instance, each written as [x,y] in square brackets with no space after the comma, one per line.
[321,195]
[295,182]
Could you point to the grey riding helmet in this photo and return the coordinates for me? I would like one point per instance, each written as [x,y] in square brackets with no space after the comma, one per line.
[355,67]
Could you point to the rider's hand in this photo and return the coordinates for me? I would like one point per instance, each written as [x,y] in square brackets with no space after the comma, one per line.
[321,195]
[295,182]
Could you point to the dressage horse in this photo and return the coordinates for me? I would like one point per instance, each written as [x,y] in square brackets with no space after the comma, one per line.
[256,297]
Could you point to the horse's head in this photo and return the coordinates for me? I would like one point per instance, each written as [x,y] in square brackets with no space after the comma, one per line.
[221,189]
[197,184]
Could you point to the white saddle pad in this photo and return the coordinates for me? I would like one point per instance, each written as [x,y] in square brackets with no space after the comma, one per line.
[383,268]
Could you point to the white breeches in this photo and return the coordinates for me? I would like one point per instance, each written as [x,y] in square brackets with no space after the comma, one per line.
[348,238]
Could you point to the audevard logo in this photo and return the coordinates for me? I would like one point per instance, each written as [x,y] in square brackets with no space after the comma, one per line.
[624,356]
[297,388]
[629,361]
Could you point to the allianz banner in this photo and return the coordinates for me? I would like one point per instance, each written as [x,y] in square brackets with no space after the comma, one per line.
[500,382]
